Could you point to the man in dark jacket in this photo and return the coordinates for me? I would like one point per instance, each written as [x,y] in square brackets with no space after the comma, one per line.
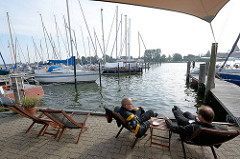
[188,123]
[138,120]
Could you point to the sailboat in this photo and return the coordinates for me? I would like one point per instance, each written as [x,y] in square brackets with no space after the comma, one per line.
[64,74]
[230,74]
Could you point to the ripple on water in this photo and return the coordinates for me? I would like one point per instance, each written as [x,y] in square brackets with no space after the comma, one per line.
[159,88]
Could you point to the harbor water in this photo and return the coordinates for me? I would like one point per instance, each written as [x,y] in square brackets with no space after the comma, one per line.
[159,88]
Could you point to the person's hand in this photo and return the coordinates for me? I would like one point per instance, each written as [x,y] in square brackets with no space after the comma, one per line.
[166,118]
[151,121]
[135,108]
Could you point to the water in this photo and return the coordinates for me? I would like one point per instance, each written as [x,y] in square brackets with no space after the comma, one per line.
[159,88]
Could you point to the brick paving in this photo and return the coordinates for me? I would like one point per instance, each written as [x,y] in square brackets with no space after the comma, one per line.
[97,142]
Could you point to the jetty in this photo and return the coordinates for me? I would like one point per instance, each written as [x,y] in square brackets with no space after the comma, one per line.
[227,94]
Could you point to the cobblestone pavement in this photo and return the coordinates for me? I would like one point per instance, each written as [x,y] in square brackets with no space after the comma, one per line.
[97,142]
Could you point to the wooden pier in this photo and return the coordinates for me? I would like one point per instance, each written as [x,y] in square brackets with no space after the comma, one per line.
[227,94]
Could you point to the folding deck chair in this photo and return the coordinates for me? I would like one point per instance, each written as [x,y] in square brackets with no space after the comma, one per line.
[41,119]
[211,138]
[64,121]
[120,122]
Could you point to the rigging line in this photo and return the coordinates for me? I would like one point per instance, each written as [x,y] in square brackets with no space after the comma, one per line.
[109,35]
[143,41]
[65,26]
[17,42]
[84,48]
[86,25]
[115,38]
[49,38]
[62,40]
[75,44]
[54,48]
[123,45]
[35,46]
[98,42]
[44,34]
[59,47]
[10,51]
[3,46]
[213,33]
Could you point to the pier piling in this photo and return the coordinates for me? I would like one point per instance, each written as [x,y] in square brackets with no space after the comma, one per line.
[202,78]
[211,70]
[99,68]
[188,71]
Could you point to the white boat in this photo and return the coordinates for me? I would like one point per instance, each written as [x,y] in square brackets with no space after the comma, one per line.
[56,74]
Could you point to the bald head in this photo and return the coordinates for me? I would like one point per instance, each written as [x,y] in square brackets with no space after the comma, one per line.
[207,113]
[127,103]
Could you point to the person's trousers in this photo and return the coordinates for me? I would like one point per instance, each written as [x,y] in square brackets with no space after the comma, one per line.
[182,117]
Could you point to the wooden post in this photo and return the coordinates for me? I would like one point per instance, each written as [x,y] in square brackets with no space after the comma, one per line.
[129,68]
[99,69]
[118,71]
[211,71]
[202,75]
[207,66]
[188,71]
[17,85]
[75,72]
[136,68]
[148,65]
[145,66]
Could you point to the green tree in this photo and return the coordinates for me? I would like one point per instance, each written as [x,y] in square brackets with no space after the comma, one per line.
[163,58]
[177,57]
[169,58]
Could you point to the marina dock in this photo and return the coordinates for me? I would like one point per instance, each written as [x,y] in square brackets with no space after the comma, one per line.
[228,95]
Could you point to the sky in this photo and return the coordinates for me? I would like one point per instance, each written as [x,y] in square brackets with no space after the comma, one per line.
[169,31]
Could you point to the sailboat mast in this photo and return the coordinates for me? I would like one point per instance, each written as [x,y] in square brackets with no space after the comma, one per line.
[28,56]
[75,79]
[9,26]
[59,48]
[104,53]
[129,38]
[139,45]
[44,34]
[126,36]
[66,35]
[69,27]
[116,29]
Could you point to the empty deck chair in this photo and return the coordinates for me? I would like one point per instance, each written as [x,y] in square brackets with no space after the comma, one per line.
[64,121]
[211,138]
[120,122]
[41,119]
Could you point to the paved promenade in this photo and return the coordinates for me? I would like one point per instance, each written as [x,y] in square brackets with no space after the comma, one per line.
[97,142]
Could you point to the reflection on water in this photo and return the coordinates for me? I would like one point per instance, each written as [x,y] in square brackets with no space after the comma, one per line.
[159,88]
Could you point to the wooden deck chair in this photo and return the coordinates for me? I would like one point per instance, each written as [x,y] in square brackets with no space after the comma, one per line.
[120,122]
[41,119]
[209,137]
[64,121]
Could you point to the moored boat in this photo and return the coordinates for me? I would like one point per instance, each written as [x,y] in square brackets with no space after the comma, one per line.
[56,74]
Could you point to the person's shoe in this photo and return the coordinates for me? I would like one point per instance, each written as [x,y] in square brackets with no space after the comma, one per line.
[155,114]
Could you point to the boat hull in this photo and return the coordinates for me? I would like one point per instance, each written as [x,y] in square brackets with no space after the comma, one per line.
[67,77]
[230,77]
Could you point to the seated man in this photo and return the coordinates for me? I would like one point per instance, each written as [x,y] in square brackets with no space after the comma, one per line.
[188,123]
[138,120]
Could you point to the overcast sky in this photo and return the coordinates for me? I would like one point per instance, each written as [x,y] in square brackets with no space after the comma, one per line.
[172,32]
